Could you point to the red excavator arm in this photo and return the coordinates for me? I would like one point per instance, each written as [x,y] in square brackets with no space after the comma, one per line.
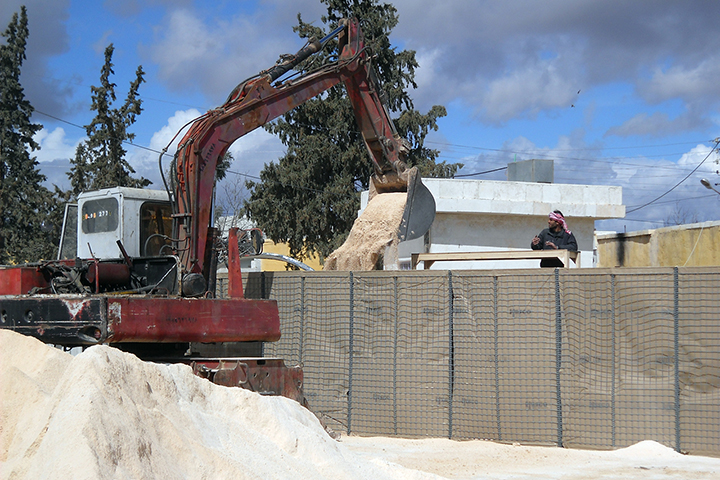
[256,102]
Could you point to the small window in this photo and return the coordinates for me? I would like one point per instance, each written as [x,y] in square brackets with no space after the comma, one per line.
[100,215]
[68,237]
[155,229]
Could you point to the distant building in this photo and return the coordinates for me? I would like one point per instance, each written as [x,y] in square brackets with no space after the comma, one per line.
[262,264]
[692,245]
[283,249]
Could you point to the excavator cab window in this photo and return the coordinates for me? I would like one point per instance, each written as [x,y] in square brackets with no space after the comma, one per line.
[100,215]
[155,229]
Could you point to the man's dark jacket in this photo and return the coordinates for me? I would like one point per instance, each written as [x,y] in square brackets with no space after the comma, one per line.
[561,239]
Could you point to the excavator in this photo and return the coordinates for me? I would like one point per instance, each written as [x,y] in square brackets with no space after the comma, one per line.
[144,275]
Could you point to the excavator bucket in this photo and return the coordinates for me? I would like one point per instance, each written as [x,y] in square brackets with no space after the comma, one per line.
[419,210]
[420,205]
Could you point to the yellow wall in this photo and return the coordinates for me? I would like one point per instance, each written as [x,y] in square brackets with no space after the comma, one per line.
[691,245]
[279,266]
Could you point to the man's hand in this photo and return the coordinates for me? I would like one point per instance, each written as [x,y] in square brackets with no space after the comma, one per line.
[536,240]
[551,245]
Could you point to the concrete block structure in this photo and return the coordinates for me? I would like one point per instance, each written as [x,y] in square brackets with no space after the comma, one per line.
[541,171]
[484,215]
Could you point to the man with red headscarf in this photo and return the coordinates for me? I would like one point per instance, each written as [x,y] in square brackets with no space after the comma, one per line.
[556,237]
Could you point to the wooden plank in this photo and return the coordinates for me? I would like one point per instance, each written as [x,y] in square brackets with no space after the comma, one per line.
[429,258]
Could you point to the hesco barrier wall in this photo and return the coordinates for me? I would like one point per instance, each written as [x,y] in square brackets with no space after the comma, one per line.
[593,358]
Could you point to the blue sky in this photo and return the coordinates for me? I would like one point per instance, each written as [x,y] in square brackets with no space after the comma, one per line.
[616,93]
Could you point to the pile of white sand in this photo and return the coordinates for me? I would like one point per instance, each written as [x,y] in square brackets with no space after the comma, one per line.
[104,414]
[478,459]
[373,235]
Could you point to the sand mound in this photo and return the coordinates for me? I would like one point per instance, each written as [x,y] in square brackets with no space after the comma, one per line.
[105,414]
[374,231]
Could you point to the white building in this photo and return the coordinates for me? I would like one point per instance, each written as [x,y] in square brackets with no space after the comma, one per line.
[482,215]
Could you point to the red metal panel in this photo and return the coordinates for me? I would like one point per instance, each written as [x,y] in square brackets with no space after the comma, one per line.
[266,376]
[108,274]
[56,319]
[235,286]
[133,319]
[20,280]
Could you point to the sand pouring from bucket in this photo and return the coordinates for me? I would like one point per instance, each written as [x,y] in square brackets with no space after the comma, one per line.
[420,205]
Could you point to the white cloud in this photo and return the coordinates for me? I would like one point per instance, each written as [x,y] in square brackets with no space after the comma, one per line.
[655,188]
[54,145]
[251,152]
[697,155]
[145,161]
[186,41]
[428,60]
[217,56]
[173,130]
[101,44]
[696,82]
[657,124]
[254,150]
[537,87]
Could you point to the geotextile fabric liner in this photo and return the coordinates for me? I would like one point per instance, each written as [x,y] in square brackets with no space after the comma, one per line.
[596,358]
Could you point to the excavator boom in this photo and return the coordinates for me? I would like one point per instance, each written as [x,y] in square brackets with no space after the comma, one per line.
[258,101]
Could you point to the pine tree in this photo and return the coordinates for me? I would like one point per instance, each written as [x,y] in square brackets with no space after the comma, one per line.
[310,197]
[100,160]
[25,204]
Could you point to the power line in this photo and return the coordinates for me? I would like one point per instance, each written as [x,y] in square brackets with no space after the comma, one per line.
[124,141]
[685,199]
[605,160]
[717,141]
[574,149]
[629,220]
[58,119]
[480,173]
[277,181]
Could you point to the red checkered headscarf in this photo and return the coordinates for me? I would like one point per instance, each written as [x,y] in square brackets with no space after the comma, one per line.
[560,219]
